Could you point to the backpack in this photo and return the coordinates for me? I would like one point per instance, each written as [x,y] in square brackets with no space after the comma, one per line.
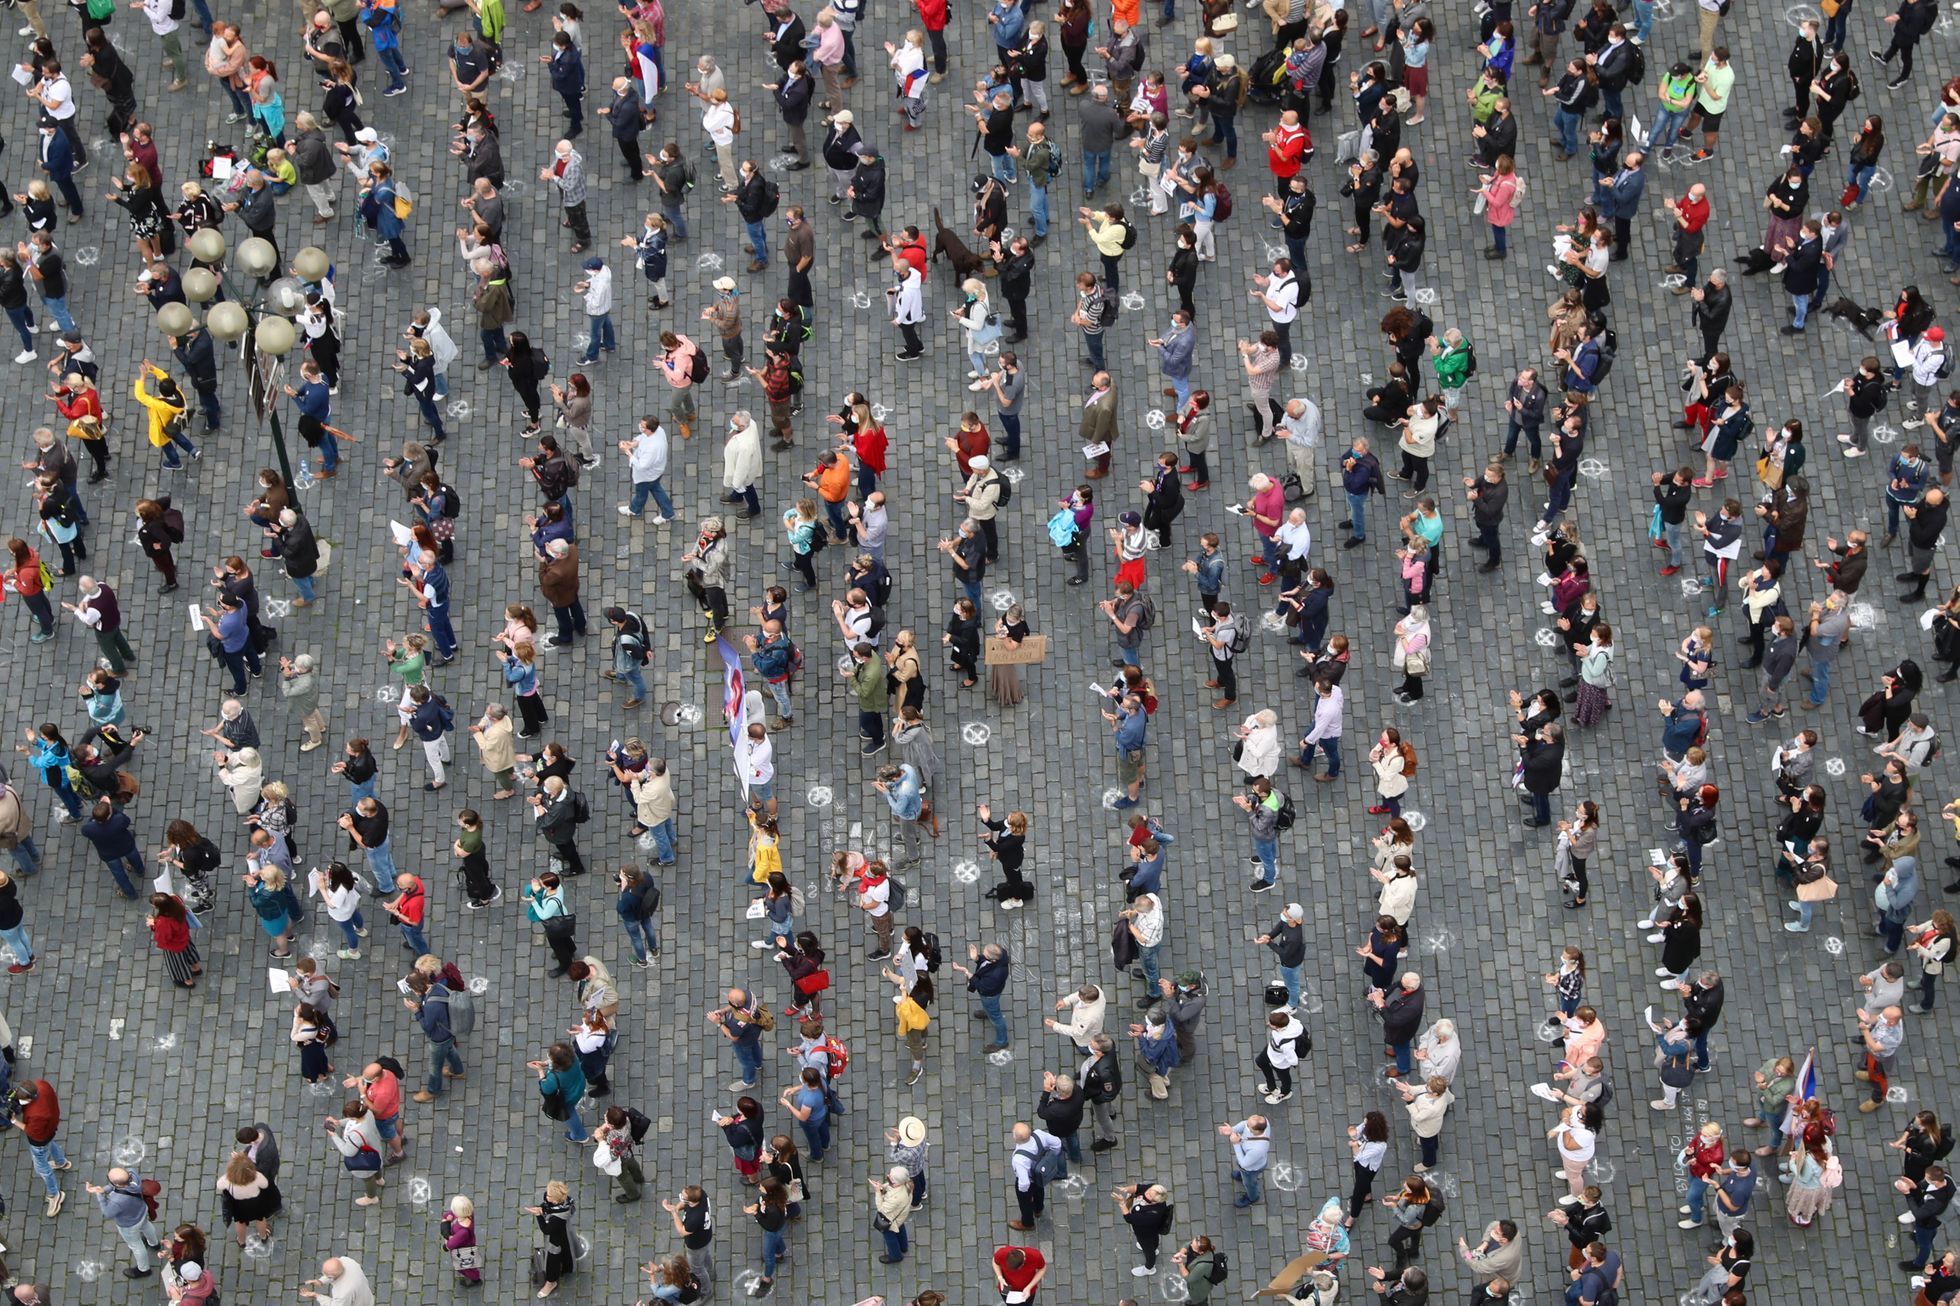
[1303,1043]
[147,1189]
[392,1066]
[840,1057]
[1241,641]
[1946,363]
[1608,341]
[462,1012]
[1006,496]
[1222,205]
[690,1291]
[1047,1166]
[639,641]
[1129,235]
[697,371]
[581,810]
[1291,487]
[1605,1091]
[819,539]
[177,14]
[687,172]
[771,196]
[1111,304]
[763,1018]
[452,502]
[1220,1268]
[1286,817]
[1470,361]
[444,713]
[930,943]
[173,525]
[1408,761]
[1148,617]
[899,892]
[1432,1210]
[1054,161]
[1636,65]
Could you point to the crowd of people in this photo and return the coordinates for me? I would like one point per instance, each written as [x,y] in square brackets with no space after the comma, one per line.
[1264,76]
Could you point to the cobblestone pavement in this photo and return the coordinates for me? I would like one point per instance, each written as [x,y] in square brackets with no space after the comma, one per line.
[161,1077]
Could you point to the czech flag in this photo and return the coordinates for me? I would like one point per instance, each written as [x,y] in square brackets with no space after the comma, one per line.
[732,693]
[1807,1078]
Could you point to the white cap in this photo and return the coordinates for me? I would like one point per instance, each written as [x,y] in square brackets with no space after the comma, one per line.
[979,462]
[724,283]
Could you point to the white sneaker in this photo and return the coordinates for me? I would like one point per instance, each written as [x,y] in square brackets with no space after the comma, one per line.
[1661,1106]
[1656,937]
[1141,1272]
[1681,1210]
[625,511]
[1913,423]
[1012,904]
[1568,1199]
[1848,452]
[658,520]
[25,31]
[759,943]
[25,356]
[1645,925]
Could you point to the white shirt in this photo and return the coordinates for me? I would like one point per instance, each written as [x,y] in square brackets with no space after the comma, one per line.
[158,12]
[1283,299]
[649,455]
[598,292]
[877,900]
[58,96]
[758,761]
[1150,924]
[1327,715]
[1297,537]
[718,120]
[909,305]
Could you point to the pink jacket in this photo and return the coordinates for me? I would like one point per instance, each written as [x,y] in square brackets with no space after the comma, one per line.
[1501,200]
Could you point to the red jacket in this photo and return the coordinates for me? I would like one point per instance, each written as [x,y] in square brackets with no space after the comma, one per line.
[171,935]
[1283,155]
[1704,1155]
[932,13]
[870,445]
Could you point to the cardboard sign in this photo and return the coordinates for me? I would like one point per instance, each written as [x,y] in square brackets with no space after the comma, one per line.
[1032,650]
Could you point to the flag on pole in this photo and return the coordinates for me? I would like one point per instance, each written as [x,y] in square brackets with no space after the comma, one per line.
[1807,1078]
[732,692]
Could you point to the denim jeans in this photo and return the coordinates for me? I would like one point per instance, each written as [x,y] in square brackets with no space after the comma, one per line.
[57,306]
[1095,169]
[640,934]
[23,320]
[170,458]
[1330,747]
[1404,1055]
[1129,656]
[304,584]
[1358,515]
[1803,913]
[1038,207]
[1567,125]
[27,855]
[990,1003]
[1800,307]
[636,680]
[442,1055]
[897,1242]
[1093,342]
[381,867]
[1671,537]
[1643,19]
[779,690]
[1225,131]
[1249,1181]
[391,59]
[817,1134]
[575,1130]
[1181,384]
[1147,958]
[759,237]
[1820,682]
[1291,974]
[1667,124]
[642,490]
[329,452]
[349,930]
[1835,28]
[1697,1197]
[45,1160]
[141,1238]
[134,861]
[365,789]
[1003,168]
[1267,851]
[412,935]
[494,343]
[749,1057]
[600,336]
[1541,808]
[19,944]
[1854,175]
[773,1246]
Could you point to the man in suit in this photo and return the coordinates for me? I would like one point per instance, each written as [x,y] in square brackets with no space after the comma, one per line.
[58,161]
[1625,190]
[1802,271]
[1098,424]
[627,114]
[257,1143]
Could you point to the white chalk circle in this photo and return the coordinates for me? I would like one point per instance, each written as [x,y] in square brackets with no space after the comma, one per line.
[1367,378]
[1439,942]
[1110,798]
[966,872]
[879,412]
[976,733]
[1546,637]
[1154,419]
[304,479]
[459,408]
[1895,1094]
[819,796]
[688,714]
[1172,1287]
[1443,1182]
[1001,1057]
[1881,179]
[1133,302]
[1014,475]
[1834,946]
[164,1043]
[1073,1187]
[511,72]
[1272,622]
[1690,587]
[88,256]
[1673,280]
[1885,433]
[88,1271]
[130,1152]
[513,188]
[1833,766]
[1798,15]
[860,298]
[1141,195]
[1602,1172]
[420,1190]
[257,1248]
[782,162]
[387,694]
[1299,363]
[1285,1176]
[747,1280]
[1001,599]
[479,984]
[708,262]
[1592,468]
[646,843]
[1274,252]
[1864,615]
[279,607]
[1425,295]
[1417,821]
[1310,1000]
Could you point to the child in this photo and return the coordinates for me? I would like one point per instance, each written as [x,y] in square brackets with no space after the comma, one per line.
[1697,657]
[765,853]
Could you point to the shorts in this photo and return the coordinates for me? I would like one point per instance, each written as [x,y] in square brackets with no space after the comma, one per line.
[764,792]
[1129,766]
[390,1126]
[1710,122]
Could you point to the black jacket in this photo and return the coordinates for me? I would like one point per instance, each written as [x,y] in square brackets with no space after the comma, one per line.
[1704,1005]
[298,549]
[752,198]
[1802,268]
[990,977]
[868,188]
[1103,1081]
[1488,507]
[1543,768]
[1062,1115]
[1674,500]
[1928,520]
[840,148]
[1402,1015]
[1806,57]
[1289,943]
[793,99]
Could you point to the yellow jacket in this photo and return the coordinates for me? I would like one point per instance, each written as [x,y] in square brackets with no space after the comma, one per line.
[911,1016]
[162,411]
[1107,235]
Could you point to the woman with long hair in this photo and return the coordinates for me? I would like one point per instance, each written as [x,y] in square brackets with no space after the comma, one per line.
[554,1217]
[521,674]
[170,928]
[771,1212]
[194,859]
[527,366]
[248,1196]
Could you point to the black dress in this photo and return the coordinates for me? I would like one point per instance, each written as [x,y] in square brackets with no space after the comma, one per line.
[555,1223]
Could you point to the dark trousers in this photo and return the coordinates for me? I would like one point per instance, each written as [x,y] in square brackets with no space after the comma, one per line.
[629,150]
[1030,1201]
[1406,1242]
[1280,1077]
[571,620]
[871,727]
[909,331]
[581,228]
[1221,671]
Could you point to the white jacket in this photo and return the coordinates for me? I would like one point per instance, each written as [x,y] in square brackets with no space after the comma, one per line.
[741,459]
[1085,1019]
[598,292]
[1397,899]
[442,350]
[648,457]
[1279,1044]
[718,120]
[909,305]
[1419,436]
[1260,756]
[1389,779]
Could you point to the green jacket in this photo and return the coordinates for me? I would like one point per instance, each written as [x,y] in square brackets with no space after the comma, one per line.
[1484,104]
[869,682]
[1453,366]
[490,17]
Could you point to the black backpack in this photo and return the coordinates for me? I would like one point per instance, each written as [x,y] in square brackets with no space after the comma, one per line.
[1303,1042]
[1220,1268]
[1284,821]
[929,946]
[173,525]
[898,895]
[1432,1211]
[581,810]
[697,371]
[452,501]
[1006,491]
[771,196]
[1636,65]
[819,539]
[1129,228]
[1609,349]
[1111,304]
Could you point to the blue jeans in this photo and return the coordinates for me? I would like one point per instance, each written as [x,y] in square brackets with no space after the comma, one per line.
[971,588]
[23,320]
[642,490]
[1404,1056]
[1697,1195]
[601,336]
[381,867]
[1249,1181]
[1922,1242]
[990,1003]
[1803,913]
[57,306]
[636,680]
[1358,515]
[1611,104]
[817,1134]
[1147,957]
[1181,384]
[1530,433]
[640,934]
[1267,851]
[349,931]
[1567,125]
[241,102]
[170,458]
[675,220]
[759,237]
[1038,207]
[1225,131]
[1643,18]
[1835,28]
[897,1243]
[1667,124]
[1093,342]
[45,1160]
[575,1129]
[1820,682]
[1497,238]
[1330,747]
[442,1056]
[1801,306]
[749,1057]
[1095,169]
[495,345]
[1003,169]
[1129,656]
[772,1247]
[1854,175]
[27,856]
[441,631]
[412,935]
[1291,974]
[1671,537]
[365,789]
[1010,435]
[1541,808]
[391,59]
[18,942]
[304,584]
[135,863]
[329,452]
[779,690]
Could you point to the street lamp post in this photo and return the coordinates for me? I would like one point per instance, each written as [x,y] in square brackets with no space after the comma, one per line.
[262,323]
